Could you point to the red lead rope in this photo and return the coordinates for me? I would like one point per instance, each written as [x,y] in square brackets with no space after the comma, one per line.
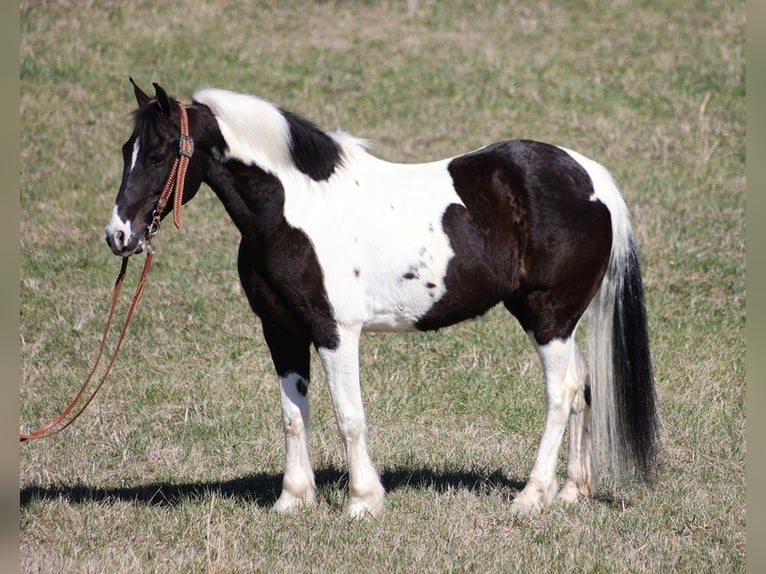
[175,182]
[60,423]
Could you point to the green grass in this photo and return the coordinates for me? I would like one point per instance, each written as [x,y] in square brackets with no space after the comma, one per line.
[175,465]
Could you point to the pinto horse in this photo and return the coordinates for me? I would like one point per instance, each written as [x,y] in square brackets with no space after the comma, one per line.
[335,242]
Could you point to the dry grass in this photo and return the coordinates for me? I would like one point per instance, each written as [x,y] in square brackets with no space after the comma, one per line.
[175,465]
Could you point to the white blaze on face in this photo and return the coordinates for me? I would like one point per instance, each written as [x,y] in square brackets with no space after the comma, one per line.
[119,232]
[134,155]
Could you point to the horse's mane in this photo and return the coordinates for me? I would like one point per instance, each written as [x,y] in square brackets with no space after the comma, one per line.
[257,131]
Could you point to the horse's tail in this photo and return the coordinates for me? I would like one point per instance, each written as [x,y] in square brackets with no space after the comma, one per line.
[623,414]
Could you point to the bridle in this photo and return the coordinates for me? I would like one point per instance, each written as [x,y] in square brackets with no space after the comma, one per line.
[175,183]
[176,178]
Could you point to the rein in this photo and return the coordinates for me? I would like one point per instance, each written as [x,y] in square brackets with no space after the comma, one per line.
[175,183]
[60,423]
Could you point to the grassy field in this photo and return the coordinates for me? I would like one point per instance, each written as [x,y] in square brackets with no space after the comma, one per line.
[174,467]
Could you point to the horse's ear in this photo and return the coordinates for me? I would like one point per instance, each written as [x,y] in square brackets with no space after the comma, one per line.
[162,99]
[141,96]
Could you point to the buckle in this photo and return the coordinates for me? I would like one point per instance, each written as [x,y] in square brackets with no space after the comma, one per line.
[185,145]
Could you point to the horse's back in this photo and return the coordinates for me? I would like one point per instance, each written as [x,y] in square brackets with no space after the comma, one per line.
[521,182]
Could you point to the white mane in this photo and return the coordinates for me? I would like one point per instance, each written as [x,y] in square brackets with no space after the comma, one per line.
[256,131]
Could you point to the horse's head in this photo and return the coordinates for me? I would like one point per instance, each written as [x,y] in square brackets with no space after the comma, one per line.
[150,157]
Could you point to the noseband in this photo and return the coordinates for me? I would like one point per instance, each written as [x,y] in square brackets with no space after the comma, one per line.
[176,178]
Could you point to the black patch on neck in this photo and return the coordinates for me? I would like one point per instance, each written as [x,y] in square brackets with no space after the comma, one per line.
[313,151]
[205,131]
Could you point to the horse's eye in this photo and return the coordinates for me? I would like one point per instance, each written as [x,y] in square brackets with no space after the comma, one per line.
[156,157]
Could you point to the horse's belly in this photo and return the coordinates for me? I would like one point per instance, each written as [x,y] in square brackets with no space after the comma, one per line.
[388,324]
[399,306]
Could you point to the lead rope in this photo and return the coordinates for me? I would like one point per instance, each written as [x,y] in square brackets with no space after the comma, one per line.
[175,181]
[59,423]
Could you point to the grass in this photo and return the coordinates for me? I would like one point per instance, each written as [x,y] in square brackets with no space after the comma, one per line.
[175,465]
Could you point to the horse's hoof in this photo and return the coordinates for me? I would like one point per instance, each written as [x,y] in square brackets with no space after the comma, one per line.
[362,508]
[571,492]
[289,503]
[522,508]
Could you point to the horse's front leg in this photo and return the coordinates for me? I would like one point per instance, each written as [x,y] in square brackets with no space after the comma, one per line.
[341,365]
[291,360]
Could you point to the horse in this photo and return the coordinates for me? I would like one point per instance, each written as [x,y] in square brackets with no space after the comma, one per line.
[336,242]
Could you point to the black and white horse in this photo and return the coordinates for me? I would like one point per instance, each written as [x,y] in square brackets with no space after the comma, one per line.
[336,242]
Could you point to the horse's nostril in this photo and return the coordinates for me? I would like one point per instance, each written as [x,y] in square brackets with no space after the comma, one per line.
[116,241]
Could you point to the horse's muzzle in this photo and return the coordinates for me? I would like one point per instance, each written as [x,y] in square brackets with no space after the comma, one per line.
[122,239]
[122,244]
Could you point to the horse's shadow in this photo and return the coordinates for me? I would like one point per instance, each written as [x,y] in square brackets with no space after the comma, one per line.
[263,489]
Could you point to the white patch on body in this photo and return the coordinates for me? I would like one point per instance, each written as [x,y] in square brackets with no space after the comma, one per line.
[372,223]
[377,231]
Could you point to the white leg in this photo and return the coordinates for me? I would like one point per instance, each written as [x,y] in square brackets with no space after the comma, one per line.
[559,362]
[298,482]
[341,366]
[580,481]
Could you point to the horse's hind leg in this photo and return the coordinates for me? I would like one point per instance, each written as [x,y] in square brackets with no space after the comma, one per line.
[291,359]
[559,358]
[580,481]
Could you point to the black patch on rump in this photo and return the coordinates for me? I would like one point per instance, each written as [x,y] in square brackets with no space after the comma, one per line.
[473,286]
[527,235]
[313,151]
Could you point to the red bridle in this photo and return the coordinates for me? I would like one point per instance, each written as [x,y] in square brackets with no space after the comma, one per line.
[175,183]
[177,175]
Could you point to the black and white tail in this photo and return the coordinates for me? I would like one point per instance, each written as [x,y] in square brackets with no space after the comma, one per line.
[623,411]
